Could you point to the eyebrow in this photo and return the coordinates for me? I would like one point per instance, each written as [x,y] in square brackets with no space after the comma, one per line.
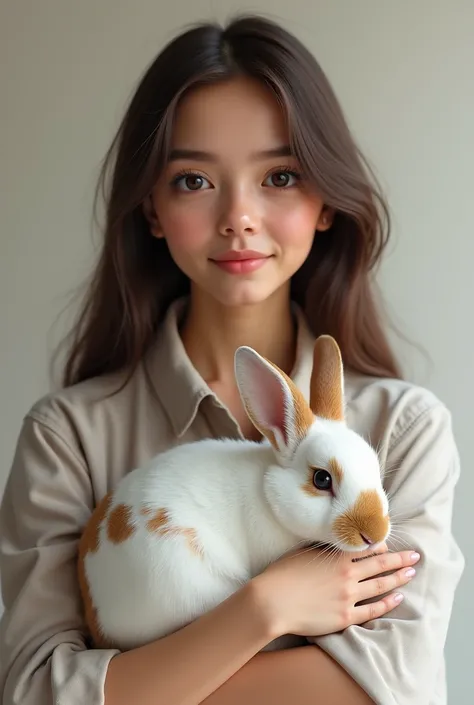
[199,155]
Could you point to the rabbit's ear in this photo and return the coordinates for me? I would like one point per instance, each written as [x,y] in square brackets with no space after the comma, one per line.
[272,401]
[327,380]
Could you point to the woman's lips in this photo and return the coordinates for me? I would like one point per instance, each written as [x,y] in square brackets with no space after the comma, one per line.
[241,266]
[241,262]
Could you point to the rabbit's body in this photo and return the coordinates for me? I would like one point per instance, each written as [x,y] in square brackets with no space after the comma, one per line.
[180,535]
[201,529]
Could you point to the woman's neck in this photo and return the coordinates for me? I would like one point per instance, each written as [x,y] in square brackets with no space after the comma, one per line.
[211,333]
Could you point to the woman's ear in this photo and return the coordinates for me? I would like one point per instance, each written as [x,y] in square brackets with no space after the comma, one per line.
[151,216]
[326,219]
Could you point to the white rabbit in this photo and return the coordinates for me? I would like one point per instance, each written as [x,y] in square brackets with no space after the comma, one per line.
[177,537]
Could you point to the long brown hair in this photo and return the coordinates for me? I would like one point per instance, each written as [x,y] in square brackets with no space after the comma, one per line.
[136,279]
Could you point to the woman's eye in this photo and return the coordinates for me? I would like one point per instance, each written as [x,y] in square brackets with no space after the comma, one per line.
[282,179]
[190,182]
[322,480]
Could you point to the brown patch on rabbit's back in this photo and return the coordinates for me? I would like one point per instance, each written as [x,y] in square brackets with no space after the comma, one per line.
[161,524]
[119,525]
[89,543]
[90,538]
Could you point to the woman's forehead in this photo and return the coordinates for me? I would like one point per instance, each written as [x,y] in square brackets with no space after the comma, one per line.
[240,115]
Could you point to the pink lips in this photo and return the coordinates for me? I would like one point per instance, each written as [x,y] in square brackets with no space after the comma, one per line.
[240,261]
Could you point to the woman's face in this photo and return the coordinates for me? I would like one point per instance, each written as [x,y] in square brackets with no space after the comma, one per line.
[238,218]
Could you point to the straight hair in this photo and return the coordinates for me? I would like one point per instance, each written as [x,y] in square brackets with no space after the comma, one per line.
[136,279]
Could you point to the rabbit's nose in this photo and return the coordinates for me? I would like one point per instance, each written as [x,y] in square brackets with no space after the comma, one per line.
[366,540]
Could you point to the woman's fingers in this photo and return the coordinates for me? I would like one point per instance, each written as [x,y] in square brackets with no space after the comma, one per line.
[364,613]
[385,563]
[382,575]
[381,585]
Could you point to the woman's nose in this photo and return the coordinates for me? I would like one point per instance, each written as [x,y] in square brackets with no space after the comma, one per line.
[239,216]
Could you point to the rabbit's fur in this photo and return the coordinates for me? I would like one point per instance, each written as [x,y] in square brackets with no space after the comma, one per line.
[178,536]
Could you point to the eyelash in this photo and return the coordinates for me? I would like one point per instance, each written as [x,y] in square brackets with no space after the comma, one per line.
[279,170]
[181,174]
[286,170]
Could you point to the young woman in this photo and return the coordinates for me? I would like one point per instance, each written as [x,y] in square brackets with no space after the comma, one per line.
[239,211]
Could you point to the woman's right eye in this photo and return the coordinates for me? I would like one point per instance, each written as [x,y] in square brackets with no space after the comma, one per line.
[190,182]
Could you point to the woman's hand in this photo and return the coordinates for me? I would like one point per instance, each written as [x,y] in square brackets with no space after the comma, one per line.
[309,593]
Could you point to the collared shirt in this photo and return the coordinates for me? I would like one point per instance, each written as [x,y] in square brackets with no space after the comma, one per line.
[75,445]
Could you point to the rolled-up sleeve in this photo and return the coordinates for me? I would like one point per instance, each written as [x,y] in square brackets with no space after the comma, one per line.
[44,657]
[397,659]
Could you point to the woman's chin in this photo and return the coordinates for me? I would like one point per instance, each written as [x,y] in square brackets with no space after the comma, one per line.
[241,294]
[234,291]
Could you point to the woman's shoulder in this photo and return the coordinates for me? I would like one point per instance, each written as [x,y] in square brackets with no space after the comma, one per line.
[392,408]
[113,422]
[376,407]
[65,406]
[163,380]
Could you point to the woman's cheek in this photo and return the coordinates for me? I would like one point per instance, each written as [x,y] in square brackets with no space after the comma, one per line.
[186,231]
[295,225]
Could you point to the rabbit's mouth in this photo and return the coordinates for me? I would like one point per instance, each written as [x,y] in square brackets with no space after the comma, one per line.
[367,540]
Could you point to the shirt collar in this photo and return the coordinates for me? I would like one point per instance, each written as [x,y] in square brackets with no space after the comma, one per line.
[181,388]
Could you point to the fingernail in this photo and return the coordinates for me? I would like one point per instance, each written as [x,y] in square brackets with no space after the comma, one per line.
[415,556]
[410,572]
[398,597]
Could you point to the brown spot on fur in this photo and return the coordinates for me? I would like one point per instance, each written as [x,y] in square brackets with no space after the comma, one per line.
[90,536]
[145,511]
[161,524]
[269,434]
[89,543]
[326,396]
[304,417]
[119,525]
[336,470]
[309,487]
[159,521]
[365,517]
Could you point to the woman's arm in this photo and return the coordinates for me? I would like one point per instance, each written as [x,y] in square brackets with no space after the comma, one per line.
[301,676]
[213,655]
[44,657]
[193,662]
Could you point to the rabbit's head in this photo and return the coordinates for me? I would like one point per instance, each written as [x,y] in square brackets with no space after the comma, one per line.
[325,485]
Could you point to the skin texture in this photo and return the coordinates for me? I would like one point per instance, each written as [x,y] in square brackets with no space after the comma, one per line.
[288,677]
[236,201]
[236,198]
[219,652]
[236,207]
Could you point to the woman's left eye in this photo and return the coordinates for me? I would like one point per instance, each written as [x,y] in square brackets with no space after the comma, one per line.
[282,179]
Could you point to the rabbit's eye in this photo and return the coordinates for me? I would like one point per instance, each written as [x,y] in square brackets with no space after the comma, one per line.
[322,480]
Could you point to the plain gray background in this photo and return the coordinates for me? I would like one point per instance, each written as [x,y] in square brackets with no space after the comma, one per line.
[404,73]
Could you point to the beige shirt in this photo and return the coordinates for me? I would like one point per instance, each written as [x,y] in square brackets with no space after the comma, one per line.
[77,444]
